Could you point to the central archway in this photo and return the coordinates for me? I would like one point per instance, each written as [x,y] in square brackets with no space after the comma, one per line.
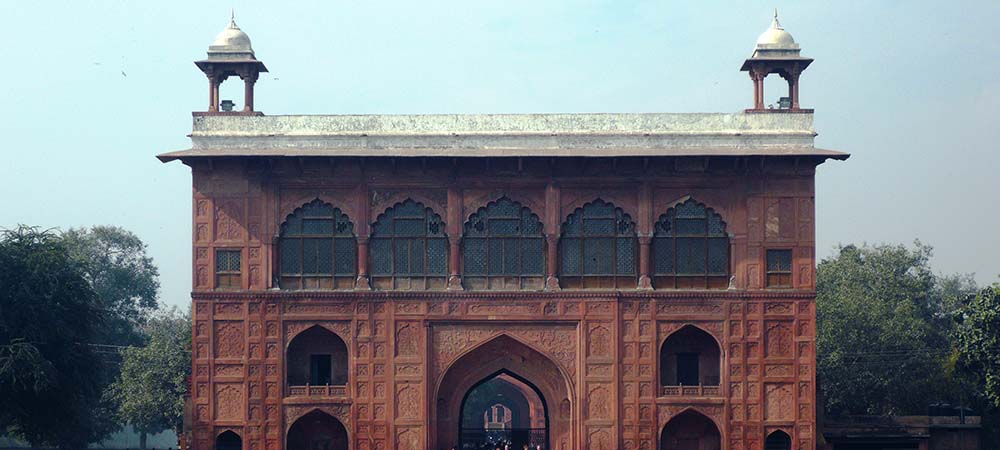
[503,410]
[520,370]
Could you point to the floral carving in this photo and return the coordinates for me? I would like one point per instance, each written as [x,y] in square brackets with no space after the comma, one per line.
[406,340]
[228,402]
[407,402]
[597,403]
[228,370]
[341,328]
[558,341]
[600,341]
[493,308]
[228,308]
[229,339]
[293,413]
[227,218]
[674,307]
[407,439]
[318,308]
[778,341]
[777,402]
[777,308]
[599,440]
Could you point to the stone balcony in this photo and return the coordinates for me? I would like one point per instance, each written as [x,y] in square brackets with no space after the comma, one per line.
[317,391]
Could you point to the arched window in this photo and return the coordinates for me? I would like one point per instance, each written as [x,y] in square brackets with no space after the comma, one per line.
[409,249]
[690,248]
[503,248]
[778,440]
[598,248]
[318,249]
[316,360]
[690,360]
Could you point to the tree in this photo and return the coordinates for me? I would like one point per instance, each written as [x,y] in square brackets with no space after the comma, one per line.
[883,335]
[51,381]
[977,341]
[150,390]
[123,276]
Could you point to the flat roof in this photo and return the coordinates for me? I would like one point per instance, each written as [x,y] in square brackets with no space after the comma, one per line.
[505,135]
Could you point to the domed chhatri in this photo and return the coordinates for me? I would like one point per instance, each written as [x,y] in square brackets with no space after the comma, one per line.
[776,52]
[775,40]
[231,55]
[231,43]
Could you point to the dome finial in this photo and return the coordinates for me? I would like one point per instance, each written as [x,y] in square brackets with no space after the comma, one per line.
[774,23]
[232,19]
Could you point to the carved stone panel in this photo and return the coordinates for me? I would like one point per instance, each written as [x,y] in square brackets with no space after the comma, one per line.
[778,340]
[229,339]
[229,401]
[778,402]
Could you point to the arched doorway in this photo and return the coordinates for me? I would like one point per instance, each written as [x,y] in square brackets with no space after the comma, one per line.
[778,440]
[503,410]
[316,357]
[317,430]
[505,364]
[690,430]
[228,440]
[689,357]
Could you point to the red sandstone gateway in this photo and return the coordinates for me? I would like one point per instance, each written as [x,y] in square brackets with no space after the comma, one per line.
[556,281]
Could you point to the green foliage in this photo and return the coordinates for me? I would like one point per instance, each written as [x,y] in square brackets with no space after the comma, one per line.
[123,276]
[50,381]
[150,389]
[977,341]
[884,330]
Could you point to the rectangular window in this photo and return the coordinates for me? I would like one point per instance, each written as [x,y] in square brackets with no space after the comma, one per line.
[687,369]
[227,269]
[320,373]
[779,268]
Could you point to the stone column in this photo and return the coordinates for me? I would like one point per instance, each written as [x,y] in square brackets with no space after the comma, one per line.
[645,233]
[362,283]
[793,87]
[213,94]
[645,280]
[760,91]
[454,227]
[363,230]
[553,222]
[248,83]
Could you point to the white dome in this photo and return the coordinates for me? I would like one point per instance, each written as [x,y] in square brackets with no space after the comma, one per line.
[776,36]
[232,39]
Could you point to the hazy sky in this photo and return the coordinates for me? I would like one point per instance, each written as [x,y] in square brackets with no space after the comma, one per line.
[91,91]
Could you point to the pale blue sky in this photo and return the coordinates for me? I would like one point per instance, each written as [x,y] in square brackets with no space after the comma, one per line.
[90,91]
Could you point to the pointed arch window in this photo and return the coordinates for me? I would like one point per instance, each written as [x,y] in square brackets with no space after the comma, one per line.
[690,248]
[317,248]
[503,248]
[598,248]
[409,248]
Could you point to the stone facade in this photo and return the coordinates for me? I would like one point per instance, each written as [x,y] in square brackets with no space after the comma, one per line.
[593,354]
